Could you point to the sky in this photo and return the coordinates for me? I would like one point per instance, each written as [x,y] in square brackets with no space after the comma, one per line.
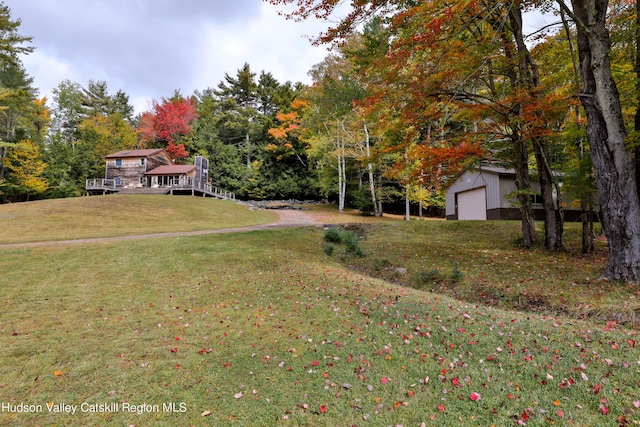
[150,48]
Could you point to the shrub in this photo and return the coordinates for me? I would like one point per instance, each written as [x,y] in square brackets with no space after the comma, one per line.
[328,249]
[350,240]
[333,235]
[361,200]
[456,273]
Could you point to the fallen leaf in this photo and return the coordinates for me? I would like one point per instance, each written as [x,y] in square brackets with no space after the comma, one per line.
[57,373]
[238,395]
[205,414]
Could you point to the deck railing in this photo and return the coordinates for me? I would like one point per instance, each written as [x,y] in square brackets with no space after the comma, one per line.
[182,184]
[101,184]
[203,187]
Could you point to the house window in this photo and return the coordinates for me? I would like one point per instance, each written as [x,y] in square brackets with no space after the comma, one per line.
[142,162]
[141,180]
[118,181]
[118,163]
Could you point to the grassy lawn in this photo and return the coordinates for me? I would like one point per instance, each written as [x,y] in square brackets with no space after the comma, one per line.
[264,328]
[120,215]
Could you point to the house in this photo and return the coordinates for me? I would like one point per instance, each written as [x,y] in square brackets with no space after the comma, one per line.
[153,171]
[129,168]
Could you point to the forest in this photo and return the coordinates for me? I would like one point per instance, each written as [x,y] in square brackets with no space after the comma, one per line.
[411,94]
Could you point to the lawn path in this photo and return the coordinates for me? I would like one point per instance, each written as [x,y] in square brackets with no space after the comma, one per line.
[286,218]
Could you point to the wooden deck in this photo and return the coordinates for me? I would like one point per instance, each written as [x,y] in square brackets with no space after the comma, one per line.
[185,186]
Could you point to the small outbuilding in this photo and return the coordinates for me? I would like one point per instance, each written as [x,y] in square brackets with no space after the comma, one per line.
[482,194]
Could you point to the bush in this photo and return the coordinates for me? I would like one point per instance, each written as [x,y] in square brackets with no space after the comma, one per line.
[361,200]
[328,249]
[456,273]
[333,235]
[350,240]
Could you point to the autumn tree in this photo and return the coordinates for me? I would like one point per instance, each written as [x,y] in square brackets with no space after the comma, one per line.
[606,132]
[26,171]
[607,135]
[87,124]
[16,92]
[168,121]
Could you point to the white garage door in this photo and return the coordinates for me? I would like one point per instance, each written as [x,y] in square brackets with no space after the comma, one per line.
[472,204]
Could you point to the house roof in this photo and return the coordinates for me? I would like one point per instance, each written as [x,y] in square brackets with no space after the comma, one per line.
[172,170]
[134,153]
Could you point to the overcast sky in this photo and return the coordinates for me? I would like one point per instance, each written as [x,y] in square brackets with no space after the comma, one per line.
[149,48]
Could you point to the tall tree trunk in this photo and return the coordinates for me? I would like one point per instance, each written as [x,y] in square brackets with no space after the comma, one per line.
[529,79]
[586,205]
[342,174]
[380,211]
[520,150]
[407,204]
[637,116]
[523,185]
[614,168]
[372,187]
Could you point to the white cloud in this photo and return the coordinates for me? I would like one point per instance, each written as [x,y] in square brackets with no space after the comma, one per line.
[149,48]
[48,72]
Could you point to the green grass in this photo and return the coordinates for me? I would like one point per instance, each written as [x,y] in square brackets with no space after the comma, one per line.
[120,215]
[263,328]
[496,271]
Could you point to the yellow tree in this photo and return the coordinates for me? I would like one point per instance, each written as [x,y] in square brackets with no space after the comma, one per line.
[101,135]
[26,167]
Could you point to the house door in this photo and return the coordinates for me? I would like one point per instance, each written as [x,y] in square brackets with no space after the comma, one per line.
[472,204]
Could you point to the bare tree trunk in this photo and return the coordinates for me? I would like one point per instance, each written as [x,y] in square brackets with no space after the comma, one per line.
[586,207]
[407,205]
[342,174]
[380,212]
[637,116]
[520,151]
[372,187]
[523,184]
[614,168]
[529,79]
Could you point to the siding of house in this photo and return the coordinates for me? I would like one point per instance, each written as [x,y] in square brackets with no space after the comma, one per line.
[132,169]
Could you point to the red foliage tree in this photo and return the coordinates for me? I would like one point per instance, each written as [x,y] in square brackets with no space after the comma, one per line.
[168,121]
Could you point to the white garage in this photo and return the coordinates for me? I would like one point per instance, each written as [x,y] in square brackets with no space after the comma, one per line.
[483,194]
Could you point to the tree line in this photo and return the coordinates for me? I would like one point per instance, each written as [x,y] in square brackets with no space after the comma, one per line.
[412,94]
